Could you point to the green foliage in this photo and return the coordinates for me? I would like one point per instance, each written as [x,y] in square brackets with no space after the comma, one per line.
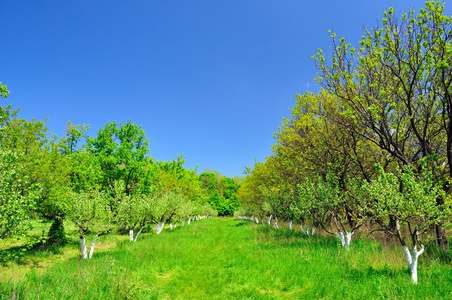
[16,202]
[74,134]
[134,210]
[3,91]
[222,192]
[410,200]
[89,210]
[121,152]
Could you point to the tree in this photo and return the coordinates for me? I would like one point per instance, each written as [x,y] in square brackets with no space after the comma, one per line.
[166,207]
[411,200]
[43,165]
[133,211]
[324,202]
[395,89]
[222,192]
[89,211]
[121,152]
[17,198]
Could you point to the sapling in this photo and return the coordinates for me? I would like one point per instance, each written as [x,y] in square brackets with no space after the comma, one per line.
[133,211]
[89,211]
[166,208]
[410,200]
[328,205]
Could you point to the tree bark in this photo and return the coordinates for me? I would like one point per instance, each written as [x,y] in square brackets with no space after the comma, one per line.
[83,247]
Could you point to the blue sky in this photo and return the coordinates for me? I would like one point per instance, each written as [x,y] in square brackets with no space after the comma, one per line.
[210,80]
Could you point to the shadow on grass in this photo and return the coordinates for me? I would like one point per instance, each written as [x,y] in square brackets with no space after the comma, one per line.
[19,254]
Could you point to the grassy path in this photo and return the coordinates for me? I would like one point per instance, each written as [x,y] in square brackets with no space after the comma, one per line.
[235,259]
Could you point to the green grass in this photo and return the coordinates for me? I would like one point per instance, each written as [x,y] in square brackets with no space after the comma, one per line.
[233,259]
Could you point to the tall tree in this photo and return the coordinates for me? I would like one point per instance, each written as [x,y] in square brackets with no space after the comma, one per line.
[395,88]
[121,151]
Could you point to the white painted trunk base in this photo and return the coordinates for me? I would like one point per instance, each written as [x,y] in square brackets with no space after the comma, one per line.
[412,259]
[346,238]
[83,248]
[138,234]
[159,227]
[269,220]
[290,225]
[91,251]
[131,235]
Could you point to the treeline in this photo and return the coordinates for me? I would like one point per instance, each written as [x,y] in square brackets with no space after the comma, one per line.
[374,145]
[101,183]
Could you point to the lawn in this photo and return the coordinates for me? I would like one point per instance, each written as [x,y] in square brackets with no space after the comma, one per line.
[227,259]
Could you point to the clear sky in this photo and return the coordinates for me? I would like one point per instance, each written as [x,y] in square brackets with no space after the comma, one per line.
[210,80]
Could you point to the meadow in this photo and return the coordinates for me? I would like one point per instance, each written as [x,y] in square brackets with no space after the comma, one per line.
[224,259]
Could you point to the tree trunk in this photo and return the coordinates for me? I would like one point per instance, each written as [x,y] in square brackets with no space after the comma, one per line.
[57,235]
[346,238]
[412,259]
[131,235]
[138,234]
[160,227]
[93,244]
[83,247]
[290,225]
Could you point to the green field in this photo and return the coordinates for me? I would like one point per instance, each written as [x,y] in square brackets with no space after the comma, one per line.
[225,259]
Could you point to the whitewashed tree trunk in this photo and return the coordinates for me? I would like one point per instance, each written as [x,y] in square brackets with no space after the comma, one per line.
[346,238]
[188,222]
[257,220]
[93,244]
[131,235]
[171,226]
[183,223]
[269,219]
[138,234]
[83,248]
[159,227]
[290,225]
[412,259]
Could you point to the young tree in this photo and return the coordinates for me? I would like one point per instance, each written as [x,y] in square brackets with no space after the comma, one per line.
[411,200]
[166,207]
[395,89]
[327,204]
[89,211]
[133,211]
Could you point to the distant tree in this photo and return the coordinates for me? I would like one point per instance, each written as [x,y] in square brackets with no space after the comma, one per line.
[222,192]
